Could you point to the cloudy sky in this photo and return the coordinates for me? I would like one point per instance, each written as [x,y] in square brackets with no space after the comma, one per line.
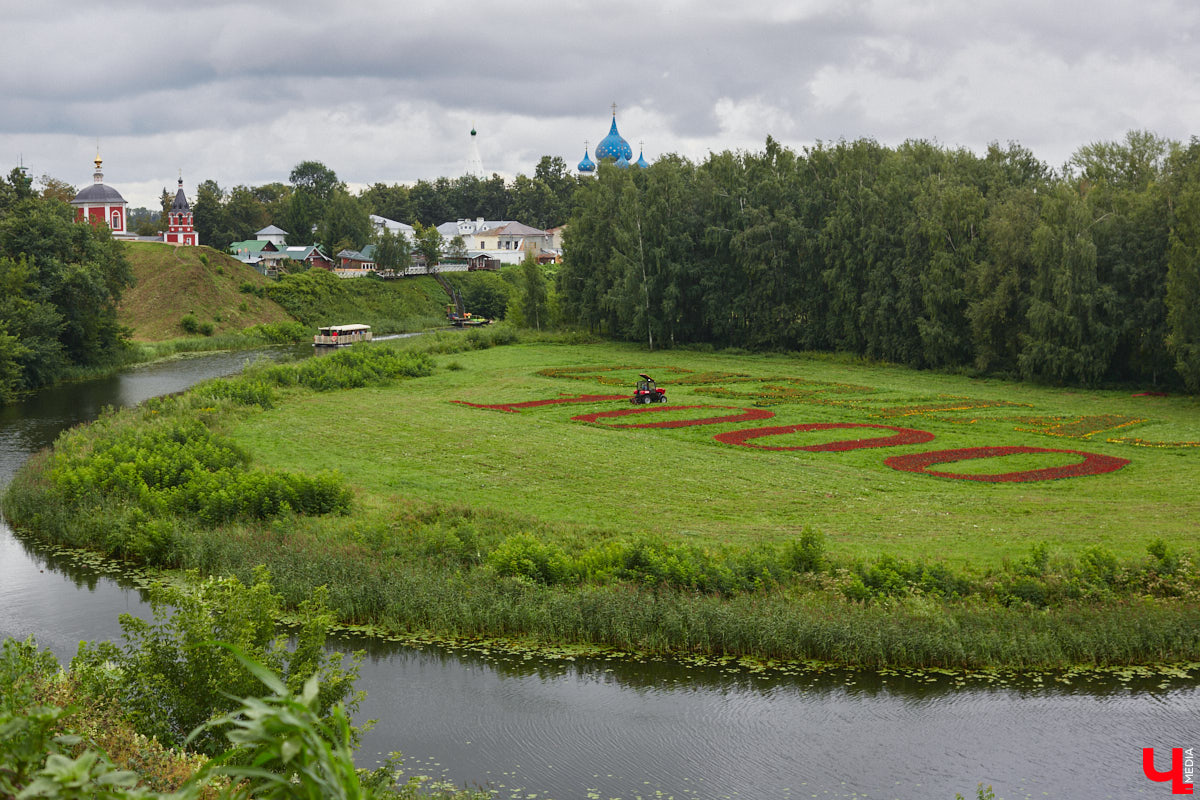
[388,90]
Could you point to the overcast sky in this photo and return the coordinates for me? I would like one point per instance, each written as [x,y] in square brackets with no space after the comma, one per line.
[388,90]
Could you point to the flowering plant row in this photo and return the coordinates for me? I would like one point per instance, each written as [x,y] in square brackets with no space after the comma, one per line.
[1136,442]
[902,436]
[516,407]
[1082,427]
[784,389]
[747,415]
[1091,463]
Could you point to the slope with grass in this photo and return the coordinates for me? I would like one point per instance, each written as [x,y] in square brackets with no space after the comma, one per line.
[317,297]
[175,282]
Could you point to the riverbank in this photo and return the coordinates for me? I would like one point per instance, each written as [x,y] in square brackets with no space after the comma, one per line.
[660,539]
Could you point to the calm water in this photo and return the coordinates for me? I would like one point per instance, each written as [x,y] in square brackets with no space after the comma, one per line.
[534,728]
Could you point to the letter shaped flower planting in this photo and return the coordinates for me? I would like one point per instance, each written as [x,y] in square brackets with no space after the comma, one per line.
[747,415]
[902,436]
[1092,464]
[515,408]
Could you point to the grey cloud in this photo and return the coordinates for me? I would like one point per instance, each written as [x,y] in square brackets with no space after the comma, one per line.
[386,86]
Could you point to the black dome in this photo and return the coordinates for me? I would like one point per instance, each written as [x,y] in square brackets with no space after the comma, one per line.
[98,193]
[181,203]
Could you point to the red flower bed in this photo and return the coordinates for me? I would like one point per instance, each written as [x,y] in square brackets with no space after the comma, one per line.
[1092,464]
[747,415]
[516,407]
[901,437]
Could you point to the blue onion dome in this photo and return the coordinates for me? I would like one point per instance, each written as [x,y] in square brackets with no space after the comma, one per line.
[613,145]
[587,165]
[641,162]
[623,162]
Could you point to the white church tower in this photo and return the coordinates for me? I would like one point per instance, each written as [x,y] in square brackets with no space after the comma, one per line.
[475,163]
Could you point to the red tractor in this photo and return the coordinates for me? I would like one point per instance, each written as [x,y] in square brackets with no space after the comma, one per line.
[646,392]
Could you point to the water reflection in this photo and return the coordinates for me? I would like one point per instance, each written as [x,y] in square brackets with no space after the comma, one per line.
[619,729]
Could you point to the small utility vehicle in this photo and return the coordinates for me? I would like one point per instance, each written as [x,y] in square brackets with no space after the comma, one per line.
[646,392]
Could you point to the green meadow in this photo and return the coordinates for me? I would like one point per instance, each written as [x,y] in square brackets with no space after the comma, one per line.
[414,441]
[440,487]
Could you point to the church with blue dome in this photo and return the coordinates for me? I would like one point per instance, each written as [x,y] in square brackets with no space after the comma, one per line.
[612,147]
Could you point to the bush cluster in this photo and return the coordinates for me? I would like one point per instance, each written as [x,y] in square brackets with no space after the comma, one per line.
[211,676]
[181,468]
[654,562]
[276,332]
[349,368]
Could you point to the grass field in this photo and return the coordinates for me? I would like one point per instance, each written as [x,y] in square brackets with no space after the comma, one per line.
[453,494]
[413,441]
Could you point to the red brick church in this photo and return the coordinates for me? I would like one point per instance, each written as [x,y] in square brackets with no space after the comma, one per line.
[99,203]
[102,203]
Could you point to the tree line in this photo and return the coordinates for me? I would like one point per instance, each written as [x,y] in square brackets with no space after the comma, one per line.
[919,254]
[315,206]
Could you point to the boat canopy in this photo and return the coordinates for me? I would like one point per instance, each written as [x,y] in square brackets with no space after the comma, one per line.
[329,330]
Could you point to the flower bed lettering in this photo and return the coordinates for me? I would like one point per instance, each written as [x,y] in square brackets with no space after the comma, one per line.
[746,415]
[901,436]
[1092,464]
[516,407]
[1083,427]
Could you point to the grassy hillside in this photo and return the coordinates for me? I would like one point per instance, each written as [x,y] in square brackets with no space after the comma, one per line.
[317,297]
[173,282]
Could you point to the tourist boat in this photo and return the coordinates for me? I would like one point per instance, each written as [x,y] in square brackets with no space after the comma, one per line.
[341,335]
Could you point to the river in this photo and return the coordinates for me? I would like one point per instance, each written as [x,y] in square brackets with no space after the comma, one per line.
[538,728]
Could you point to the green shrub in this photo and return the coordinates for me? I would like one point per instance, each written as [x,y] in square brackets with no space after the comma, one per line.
[189,323]
[889,576]
[654,562]
[178,468]
[206,328]
[1029,590]
[1166,561]
[277,332]
[169,678]
[807,553]
[242,391]
[351,368]
[1038,560]
[523,555]
[1098,567]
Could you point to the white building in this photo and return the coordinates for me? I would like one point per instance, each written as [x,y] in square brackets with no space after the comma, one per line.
[383,223]
[506,241]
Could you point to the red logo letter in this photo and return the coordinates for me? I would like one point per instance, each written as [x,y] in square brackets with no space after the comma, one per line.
[1175,776]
